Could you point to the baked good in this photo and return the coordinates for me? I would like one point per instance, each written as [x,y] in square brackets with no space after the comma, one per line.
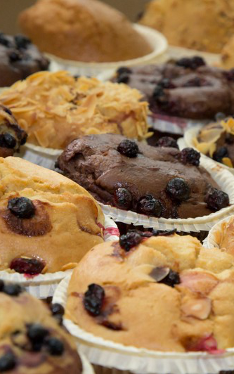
[47,222]
[11,135]
[156,181]
[18,59]
[216,140]
[31,340]
[185,88]
[197,24]
[164,293]
[55,108]
[89,31]
[227,56]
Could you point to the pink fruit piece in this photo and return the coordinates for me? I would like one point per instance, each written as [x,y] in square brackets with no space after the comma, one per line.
[207,344]
[198,282]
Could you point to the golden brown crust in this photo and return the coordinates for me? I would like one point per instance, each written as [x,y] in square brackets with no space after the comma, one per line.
[204,25]
[55,108]
[82,30]
[227,54]
[155,315]
[68,221]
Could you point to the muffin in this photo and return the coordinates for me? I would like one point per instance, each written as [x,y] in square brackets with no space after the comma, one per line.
[186,88]
[11,135]
[31,340]
[89,31]
[55,108]
[47,222]
[163,293]
[155,181]
[216,140]
[227,56]
[18,59]
[197,24]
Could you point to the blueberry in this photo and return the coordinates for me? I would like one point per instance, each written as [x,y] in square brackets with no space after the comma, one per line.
[164,233]
[123,198]
[220,153]
[166,83]
[57,309]
[12,289]
[220,116]
[27,265]
[7,362]
[4,41]
[167,141]
[178,189]
[54,346]
[22,41]
[216,199]
[158,92]
[122,70]
[14,56]
[36,333]
[9,140]
[191,63]
[93,299]
[130,240]
[21,207]
[123,78]
[171,279]
[128,148]
[150,206]
[190,156]
[24,137]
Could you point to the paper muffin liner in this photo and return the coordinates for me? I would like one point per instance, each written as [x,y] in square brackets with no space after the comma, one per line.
[43,286]
[114,356]
[221,176]
[156,40]
[212,239]
[87,367]
[190,134]
[41,156]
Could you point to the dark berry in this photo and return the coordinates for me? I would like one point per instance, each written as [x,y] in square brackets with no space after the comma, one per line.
[24,137]
[195,82]
[220,153]
[171,279]
[164,233]
[190,156]
[123,78]
[130,240]
[54,346]
[178,189]
[57,309]
[220,116]
[123,198]
[22,41]
[12,289]
[191,63]
[229,75]
[166,83]
[128,148]
[7,362]
[216,199]
[93,299]
[158,92]
[8,111]
[27,265]
[4,41]
[150,206]
[229,138]
[37,334]
[122,70]
[167,141]
[14,56]
[21,207]
[9,140]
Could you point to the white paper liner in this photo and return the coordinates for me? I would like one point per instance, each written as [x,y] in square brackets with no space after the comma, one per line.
[190,134]
[87,367]
[156,40]
[114,355]
[221,176]
[41,156]
[43,286]
[211,240]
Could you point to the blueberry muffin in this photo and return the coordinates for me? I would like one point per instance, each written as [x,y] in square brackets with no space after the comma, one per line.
[11,135]
[168,291]
[216,141]
[197,24]
[155,181]
[185,88]
[47,222]
[31,340]
[55,108]
[89,31]
[18,59]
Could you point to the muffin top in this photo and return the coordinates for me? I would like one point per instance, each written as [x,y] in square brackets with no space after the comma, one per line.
[18,59]
[164,293]
[31,340]
[156,181]
[197,24]
[89,31]
[43,214]
[186,88]
[55,108]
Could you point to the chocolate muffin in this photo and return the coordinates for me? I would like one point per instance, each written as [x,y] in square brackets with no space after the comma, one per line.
[186,88]
[156,181]
[31,340]
[19,58]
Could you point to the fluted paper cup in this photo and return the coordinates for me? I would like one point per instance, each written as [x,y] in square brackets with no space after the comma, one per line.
[86,366]
[43,286]
[215,235]
[111,358]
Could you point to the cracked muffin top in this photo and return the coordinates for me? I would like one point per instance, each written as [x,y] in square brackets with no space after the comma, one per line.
[55,108]
[31,340]
[47,222]
[164,293]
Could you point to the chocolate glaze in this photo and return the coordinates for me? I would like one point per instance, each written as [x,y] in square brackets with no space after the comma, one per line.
[94,162]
